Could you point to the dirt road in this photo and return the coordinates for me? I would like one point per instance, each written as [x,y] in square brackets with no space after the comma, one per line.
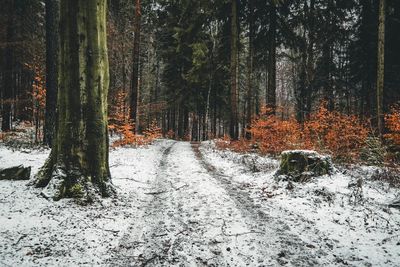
[195,216]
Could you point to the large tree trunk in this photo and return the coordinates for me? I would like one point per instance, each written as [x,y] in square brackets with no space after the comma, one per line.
[135,69]
[8,72]
[52,20]
[234,125]
[78,164]
[381,66]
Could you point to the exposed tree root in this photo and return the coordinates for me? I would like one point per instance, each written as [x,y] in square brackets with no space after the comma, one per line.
[60,182]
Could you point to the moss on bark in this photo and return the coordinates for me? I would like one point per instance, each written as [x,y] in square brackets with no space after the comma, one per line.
[78,164]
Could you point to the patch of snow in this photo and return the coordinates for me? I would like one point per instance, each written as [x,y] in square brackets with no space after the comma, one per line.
[353,225]
[220,208]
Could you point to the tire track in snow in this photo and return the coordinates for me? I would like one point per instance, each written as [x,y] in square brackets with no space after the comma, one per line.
[128,252]
[189,221]
[193,217]
[292,249]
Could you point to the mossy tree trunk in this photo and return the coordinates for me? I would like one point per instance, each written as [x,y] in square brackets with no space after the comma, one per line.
[78,164]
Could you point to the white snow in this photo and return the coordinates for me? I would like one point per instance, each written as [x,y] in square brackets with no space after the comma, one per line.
[357,227]
[178,207]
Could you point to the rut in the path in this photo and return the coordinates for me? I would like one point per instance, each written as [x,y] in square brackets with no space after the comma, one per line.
[192,215]
[125,254]
[291,245]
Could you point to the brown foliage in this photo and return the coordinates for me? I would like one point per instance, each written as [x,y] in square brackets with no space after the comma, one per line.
[239,146]
[392,122]
[273,134]
[121,124]
[342,136]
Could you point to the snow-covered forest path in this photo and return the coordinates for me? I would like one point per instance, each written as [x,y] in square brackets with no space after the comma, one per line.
[182,204]
[196,216]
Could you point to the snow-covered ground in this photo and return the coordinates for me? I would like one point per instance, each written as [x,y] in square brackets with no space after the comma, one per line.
[351,225]
[184,206]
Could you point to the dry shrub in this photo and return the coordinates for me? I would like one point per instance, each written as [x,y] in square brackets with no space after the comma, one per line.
[3,136]
[273,134]
[390,175]
[121,124]
[153,131]
[240,146]
[342,136]
[128,137]
[392,122]
[223,143]
[170,134]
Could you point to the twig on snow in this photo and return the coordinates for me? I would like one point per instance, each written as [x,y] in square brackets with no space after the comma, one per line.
[20,238]
[155,256]
[180,187]
[156,193]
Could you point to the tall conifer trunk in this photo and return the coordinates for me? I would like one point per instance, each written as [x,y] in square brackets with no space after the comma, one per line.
[234,125]
[250,81]
[8,71]
[271,91]
[52,20]
[135,69]
[381,66]
[78,164]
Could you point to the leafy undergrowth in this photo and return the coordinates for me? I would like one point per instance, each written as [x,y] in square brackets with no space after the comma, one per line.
[123,135]
[345,137]
[122,128]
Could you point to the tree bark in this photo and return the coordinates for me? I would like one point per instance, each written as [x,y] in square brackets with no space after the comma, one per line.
[78,163]
[381,67]
[135,70]
[52,46]
[250,80]
[8,72]
[328,58]
[234,125]
[271,89]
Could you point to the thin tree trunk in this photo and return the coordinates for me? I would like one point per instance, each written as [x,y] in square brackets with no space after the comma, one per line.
[249,98]
[309,64]
[52,46]
[234,125]
[135,70]
[78,163]
[271,91]
[328,58]
[381,66]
